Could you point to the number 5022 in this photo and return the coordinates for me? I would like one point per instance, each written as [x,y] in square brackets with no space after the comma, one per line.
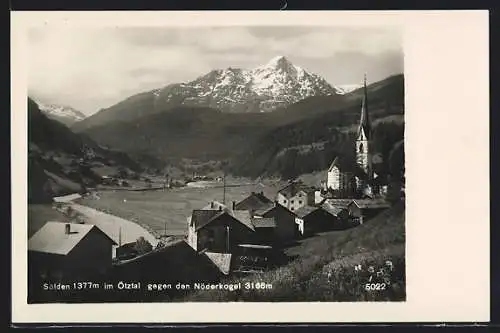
[375,286]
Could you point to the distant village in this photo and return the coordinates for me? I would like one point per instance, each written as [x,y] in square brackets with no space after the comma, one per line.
[243,237]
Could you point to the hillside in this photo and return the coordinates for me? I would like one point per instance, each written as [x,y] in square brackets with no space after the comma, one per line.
[252,139]
[332,253]
[62,162]
[310,144]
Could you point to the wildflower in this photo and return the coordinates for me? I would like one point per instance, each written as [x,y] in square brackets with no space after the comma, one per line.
[389,264]
[371,269]
[380,272]
[357,268]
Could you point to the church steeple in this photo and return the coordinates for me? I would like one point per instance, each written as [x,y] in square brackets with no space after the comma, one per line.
[363,139]
[364,124]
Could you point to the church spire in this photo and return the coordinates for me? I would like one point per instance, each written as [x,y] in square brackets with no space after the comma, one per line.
[364,123]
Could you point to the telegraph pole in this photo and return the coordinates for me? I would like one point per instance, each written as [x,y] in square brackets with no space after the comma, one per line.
[224,189]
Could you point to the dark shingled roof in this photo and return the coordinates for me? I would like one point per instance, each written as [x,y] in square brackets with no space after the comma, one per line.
[306,210]
[253,202]
[293,188]
[201,217]
[264,222]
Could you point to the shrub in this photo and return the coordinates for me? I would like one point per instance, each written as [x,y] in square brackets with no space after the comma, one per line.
[142,246]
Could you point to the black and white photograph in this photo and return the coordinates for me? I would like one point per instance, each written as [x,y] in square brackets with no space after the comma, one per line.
[226,161]
[216,164]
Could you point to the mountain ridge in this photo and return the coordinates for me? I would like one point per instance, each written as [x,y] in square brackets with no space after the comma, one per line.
[266,88]
[63,113]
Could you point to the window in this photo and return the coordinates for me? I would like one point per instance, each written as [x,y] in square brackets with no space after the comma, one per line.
[291,208]
[300,202]
[361,147]
[292,202]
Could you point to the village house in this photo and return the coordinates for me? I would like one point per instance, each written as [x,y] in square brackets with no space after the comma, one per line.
[65,250]
[295,195]
[265,229]
[313,219]
[361,210]
[340,215]
[285,230]
[218,229]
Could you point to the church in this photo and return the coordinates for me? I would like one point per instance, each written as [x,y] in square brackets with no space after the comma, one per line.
[350,178]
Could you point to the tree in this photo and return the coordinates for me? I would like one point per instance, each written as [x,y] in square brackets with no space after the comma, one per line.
[142,246]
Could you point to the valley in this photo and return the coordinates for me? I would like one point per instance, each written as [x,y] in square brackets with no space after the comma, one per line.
[146,169]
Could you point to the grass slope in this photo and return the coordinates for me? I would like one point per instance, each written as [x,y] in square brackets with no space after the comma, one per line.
[306,278]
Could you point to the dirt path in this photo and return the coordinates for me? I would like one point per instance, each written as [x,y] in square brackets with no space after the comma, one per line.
[113,226]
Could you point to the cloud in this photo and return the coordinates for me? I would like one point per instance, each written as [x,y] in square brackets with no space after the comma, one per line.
[93,68]
[87,65]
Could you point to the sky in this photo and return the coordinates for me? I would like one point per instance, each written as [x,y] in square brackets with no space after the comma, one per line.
[94,68]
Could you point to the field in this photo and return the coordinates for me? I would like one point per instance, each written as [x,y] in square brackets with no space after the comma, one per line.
[169,209]
[39,214]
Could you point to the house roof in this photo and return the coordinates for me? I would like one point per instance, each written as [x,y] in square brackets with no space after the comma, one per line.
[371,203]
[293,188]
[244,217]
[264,222]
[334,210]
[341,203]
[305,210]
[215,205]
[253,201]
[67,198]
[52,237]
[201,217]
[264,210]
[221,260]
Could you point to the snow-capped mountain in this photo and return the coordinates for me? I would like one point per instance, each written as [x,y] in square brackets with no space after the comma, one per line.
[64,114]
[265,88]
[347,88]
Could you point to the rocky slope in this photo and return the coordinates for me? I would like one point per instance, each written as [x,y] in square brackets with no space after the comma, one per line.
[64,114]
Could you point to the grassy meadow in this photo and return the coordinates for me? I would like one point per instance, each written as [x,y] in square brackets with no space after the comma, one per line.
[172,206]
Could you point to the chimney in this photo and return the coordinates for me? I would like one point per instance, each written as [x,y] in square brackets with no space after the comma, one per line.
[234,204]
[67,229]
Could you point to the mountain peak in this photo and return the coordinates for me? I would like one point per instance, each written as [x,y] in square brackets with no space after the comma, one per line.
[279,62]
